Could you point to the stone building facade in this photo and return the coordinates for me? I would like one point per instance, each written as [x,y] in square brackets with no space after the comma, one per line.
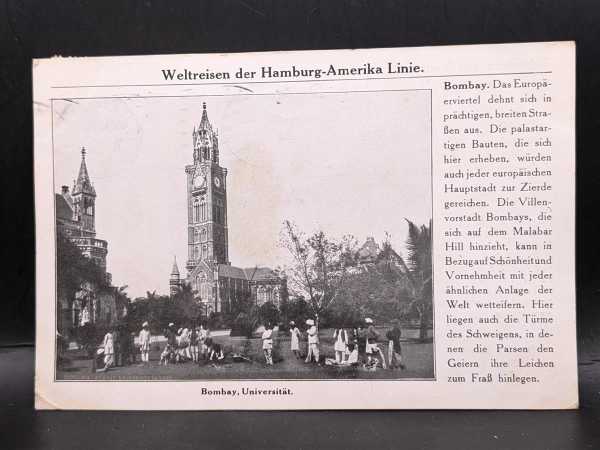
[215,280]
[76,220]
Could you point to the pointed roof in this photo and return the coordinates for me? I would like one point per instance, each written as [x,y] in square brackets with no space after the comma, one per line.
[175,269]
[369,250]
[83,183]
[203,136]
[260,273]
[204,122]
[250,274]
[64,211]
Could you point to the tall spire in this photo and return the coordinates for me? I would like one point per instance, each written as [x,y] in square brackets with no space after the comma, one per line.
[204,123]
[175,269]
[83,183]
[175,282]
[206,140]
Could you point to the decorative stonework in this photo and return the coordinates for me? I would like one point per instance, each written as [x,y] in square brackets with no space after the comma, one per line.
[215,281]
[75,219]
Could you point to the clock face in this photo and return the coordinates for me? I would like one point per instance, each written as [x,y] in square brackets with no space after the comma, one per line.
[217,181]
[199,179]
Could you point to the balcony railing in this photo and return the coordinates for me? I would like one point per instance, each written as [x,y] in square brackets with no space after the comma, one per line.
[89,242]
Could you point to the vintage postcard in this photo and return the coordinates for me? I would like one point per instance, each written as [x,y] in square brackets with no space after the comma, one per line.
[307,230]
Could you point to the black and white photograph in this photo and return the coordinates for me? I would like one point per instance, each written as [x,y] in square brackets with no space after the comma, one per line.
[232,237]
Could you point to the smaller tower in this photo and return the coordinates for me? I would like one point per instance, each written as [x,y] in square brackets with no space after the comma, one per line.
[83,195]
[174,280]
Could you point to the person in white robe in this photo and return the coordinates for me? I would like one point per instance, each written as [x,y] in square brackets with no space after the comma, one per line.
[295,339]
[144,343]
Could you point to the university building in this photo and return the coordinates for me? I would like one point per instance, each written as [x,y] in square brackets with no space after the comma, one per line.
[76,220]
[217,283]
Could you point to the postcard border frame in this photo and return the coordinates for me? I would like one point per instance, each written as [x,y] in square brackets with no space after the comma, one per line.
[243,380]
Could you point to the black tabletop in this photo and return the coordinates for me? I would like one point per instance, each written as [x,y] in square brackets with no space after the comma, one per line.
[26,428]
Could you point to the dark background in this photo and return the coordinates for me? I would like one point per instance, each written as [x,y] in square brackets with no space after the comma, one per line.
[43,28]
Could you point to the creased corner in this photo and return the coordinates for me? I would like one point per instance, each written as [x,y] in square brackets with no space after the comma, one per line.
[574,405]
[43,403]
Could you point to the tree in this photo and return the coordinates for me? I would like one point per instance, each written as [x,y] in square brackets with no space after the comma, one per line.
[160,310]
[370,292]
[75,273]
[122,302]
[186,304]
[246,322]
[390,287]
[418,270]
[295,309]
[268,313]
[319,266]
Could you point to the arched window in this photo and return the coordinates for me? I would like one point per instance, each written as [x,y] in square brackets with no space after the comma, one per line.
[204,251]
[268,297]
[261,295]
[196,213]
[196,235]
[196,252]
[203,209]
[204,288]
[203,235]
[219,211]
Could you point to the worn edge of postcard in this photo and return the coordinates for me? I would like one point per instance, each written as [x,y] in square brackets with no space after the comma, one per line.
[44,402]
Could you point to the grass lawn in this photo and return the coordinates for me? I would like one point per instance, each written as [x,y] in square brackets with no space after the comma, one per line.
[417,356]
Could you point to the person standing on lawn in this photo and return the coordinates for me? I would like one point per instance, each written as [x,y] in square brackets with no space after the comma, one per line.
[117,346]
[185,344]
[133,347]
[371,347]
[341,344]
[178,345]
[194,343]
[204,336]
[144,342]
[125,346]
[394,349]
[171,346]
[313,342]
[295,339]
[267,344]
[360,338]
[109,350]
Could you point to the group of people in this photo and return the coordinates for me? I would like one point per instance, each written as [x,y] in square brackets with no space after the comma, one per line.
[118,349]
[192,343]
[189,344]
[351,346]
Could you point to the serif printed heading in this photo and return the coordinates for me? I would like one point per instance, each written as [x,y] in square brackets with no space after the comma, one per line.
[269,72]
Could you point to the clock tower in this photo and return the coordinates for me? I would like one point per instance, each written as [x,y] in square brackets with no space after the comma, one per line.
[217,284]
[206,200]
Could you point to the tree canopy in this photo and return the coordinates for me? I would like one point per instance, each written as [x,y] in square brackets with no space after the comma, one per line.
[342,290]
[319,268]
[74,269]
